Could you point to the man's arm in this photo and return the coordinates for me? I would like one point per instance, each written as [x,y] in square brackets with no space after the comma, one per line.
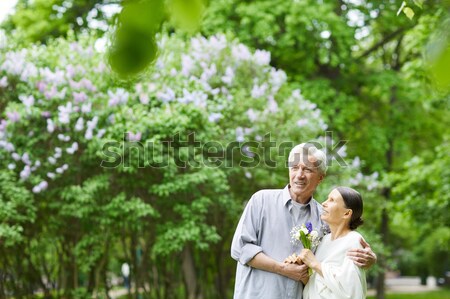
[293,271]
[365,257]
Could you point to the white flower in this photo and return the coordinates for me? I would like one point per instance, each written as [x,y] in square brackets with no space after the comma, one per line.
[4,82]
[40,187]
[119,97]
[273,105]
[89,134]
[51,160]
[277,78]
[241,52]
[143,98]
[208,72]
[25,173]
[64,113]
[229,76]
[262,57]
[50,125]
[259,91]
[304,230]
[314,234]
[63,137]
[79,124]
[11,166]
[26,159]
[240,134]
[29,71]
[167,96]
[86,108]
[51,175]
[187,64]
[252,116]
[16,156]
[28,101]
[215,117]
[100,133]
[199,98]
[71,150]
[356,162]
[57,77]
[302,122]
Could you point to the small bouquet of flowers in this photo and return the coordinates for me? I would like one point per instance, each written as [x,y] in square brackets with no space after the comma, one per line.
[307,236]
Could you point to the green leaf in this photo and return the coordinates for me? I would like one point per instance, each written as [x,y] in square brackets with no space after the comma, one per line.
[419,3]
[408,12]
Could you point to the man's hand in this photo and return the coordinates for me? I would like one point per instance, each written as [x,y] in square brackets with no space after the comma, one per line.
[365,257]
[295,271]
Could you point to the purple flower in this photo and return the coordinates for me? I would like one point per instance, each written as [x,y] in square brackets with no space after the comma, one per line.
[309,226]
[79,97]
[86,83]
[13,116]
[49,94]
[134,137]
[41,86]
[3,125]
[46,114]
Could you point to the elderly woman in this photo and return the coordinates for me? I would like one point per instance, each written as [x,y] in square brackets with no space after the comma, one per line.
[335,275]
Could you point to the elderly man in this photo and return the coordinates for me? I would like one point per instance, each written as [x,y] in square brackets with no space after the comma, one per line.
[262,239]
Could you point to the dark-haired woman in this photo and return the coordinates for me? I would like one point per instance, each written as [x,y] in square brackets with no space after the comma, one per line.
[335,276]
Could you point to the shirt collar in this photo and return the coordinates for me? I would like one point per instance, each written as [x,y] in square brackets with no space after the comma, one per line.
[287,196]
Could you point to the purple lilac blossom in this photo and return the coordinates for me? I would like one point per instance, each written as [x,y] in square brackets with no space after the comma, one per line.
[79,97]
[13,116]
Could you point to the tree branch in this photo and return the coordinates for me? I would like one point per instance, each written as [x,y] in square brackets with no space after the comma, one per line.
[384,41]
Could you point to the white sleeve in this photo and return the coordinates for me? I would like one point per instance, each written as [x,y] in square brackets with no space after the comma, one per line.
[346,281]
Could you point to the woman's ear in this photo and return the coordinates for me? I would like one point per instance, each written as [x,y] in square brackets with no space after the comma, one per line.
[348,214]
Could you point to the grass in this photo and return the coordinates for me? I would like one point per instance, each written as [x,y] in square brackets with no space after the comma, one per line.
[441,294]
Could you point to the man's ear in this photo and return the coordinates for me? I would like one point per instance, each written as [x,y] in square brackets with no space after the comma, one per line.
[321,178]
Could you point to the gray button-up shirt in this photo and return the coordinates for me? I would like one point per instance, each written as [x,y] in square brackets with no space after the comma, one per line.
[265,225]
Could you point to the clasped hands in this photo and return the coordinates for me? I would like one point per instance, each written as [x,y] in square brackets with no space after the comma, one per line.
[298,265]
[305,257]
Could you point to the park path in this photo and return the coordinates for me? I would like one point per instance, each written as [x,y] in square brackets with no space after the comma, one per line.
[393,285]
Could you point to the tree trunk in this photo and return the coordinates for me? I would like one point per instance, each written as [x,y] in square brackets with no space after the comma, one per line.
[189,274]
[384,229]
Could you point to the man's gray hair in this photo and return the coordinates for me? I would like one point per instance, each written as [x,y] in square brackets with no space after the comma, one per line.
[305,150]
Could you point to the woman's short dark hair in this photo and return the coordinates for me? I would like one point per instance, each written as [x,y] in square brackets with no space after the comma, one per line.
[353,201]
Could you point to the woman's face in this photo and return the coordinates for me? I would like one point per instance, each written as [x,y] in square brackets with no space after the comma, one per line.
[334,210]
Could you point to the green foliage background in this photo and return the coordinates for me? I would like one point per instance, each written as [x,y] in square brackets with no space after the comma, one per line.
[377,81]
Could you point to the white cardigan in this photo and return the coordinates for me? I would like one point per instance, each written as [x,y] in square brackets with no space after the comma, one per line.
[342,279]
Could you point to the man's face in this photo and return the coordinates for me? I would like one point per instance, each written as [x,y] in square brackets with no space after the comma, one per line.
[303,179]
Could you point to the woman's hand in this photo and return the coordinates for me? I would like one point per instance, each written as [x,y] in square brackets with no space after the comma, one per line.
[293,259]
[310,260]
